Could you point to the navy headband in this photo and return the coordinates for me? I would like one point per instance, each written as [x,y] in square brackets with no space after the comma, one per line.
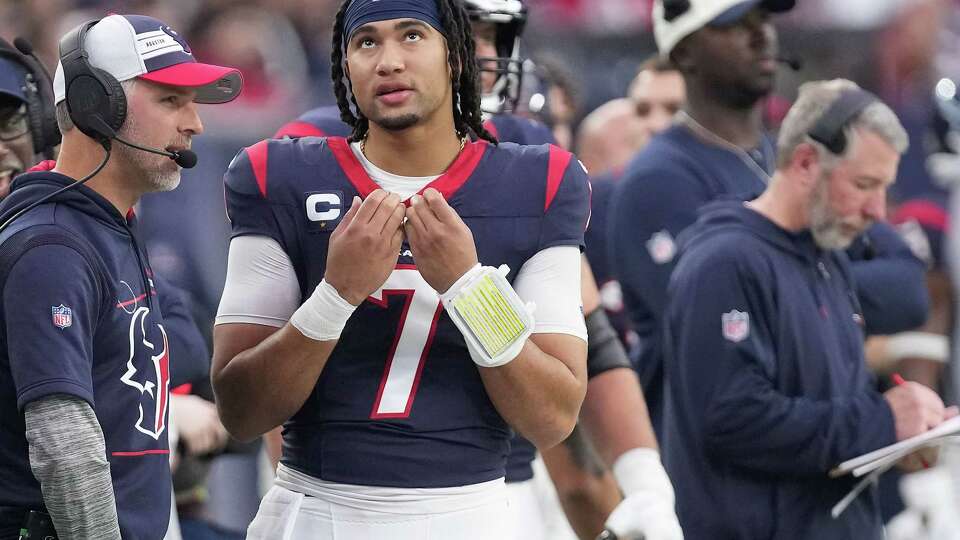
[362,12]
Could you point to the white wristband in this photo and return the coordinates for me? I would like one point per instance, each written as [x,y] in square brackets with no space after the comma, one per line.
[323,316]
[925,345]
[640,469]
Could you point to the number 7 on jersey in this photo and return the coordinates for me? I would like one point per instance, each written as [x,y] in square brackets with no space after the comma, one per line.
[411,344]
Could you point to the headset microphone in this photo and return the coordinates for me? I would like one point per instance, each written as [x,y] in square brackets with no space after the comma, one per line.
[792,62]
[26,48]
[184,158]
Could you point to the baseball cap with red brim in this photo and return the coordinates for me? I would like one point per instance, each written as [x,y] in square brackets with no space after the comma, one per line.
[137,46]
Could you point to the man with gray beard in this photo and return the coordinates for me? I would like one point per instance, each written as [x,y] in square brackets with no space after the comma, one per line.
[84,346]
[767,384]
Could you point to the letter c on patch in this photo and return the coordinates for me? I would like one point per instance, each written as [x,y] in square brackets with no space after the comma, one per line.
[324,207]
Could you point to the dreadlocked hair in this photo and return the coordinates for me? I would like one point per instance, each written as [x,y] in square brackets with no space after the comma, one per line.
[359,125]
[461,56]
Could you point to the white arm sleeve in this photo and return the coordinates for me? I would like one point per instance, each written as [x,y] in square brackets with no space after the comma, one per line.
[261,287]
[551,280]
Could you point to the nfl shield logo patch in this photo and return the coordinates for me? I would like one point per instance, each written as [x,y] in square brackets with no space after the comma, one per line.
[736,326]
[661,247]
[62,316]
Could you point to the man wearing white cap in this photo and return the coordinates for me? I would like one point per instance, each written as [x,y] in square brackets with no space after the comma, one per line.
[727,52]
[84,358]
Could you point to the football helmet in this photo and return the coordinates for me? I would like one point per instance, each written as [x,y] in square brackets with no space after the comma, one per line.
[509,18]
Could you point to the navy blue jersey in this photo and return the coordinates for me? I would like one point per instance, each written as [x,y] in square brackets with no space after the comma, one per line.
[79,317]
[400,403]
[319,122]
[326,121]
[923,223]
[768,388]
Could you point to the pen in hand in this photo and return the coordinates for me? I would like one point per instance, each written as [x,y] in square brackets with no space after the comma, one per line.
[900,381]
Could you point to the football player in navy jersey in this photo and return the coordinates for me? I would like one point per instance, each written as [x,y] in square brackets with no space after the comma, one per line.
[85,360]
[618,425]
[399,299]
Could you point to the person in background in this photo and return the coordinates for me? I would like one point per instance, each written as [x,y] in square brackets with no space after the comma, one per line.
[658,93]
[727,52]
[610,136]
[768,386]
[28,122]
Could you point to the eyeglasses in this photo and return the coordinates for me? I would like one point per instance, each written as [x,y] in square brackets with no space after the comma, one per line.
[13,123]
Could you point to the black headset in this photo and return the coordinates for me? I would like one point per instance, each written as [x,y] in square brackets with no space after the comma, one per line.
[674,8]
[95,98]
[38,90]
[828,130]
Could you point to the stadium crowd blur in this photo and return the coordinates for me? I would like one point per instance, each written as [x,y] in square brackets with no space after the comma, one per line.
[905,51]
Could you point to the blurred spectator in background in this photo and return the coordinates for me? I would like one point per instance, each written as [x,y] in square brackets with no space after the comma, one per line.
[907,73]
[726,52]
[610,136]
[658,93]
[561,90]
[28,123]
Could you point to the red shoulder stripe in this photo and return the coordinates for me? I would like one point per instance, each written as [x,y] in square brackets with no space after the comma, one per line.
[351,166]
[927,214]
[492,128]
[257,154]
[559,159]
[460,170]
[297,129]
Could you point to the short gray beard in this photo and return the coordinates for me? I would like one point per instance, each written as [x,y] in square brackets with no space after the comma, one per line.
[826,228]
[149,167]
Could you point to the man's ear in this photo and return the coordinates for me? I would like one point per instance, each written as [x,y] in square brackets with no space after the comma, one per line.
[681,57]
[805,165]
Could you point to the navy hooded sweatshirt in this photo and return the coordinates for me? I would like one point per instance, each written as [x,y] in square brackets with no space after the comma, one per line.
[79,316]
[767,387]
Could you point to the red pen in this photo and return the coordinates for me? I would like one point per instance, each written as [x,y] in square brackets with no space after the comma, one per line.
[899,381]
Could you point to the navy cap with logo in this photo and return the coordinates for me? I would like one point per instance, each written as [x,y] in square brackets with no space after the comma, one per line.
[12,77]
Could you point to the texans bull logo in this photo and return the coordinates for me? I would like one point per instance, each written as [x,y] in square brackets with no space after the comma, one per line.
[148,371]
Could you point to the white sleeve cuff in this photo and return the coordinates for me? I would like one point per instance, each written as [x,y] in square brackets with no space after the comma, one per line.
[551,280]
[261,285]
